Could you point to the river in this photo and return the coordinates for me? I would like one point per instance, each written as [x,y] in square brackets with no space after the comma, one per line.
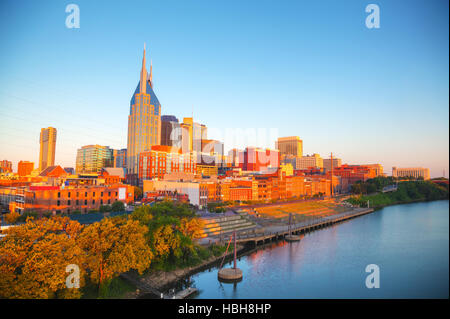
[409,244]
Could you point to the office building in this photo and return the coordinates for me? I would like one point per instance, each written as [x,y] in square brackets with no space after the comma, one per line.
[92,158]
[291,145]
[170,131]
[47,148]
[5,166]
[24,168]
[414,172]
[144,121]
[337,162]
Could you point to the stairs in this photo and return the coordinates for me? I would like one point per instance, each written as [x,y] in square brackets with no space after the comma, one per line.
[214,226]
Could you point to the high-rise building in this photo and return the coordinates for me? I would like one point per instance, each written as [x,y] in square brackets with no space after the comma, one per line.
[24,168]
[414,172]
[291,145]
[170,131]
[144,121]
[47,150]
[92,158]
[192,134]
[256,159]
[233,157]
[120,158]
[337,162]
[5,166]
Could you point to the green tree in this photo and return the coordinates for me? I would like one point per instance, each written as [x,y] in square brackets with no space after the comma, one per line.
[117,206]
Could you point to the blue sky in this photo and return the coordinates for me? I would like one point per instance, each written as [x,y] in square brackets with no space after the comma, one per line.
[306,68]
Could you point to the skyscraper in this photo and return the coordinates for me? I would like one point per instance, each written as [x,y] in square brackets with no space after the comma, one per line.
[291,145]
[144,121]
[170,131]
[47,150]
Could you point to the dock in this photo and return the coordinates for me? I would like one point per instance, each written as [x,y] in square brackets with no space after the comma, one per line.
[300,228]
[183,294]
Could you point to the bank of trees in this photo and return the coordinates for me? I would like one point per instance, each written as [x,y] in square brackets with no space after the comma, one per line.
[34,255]
[407,191]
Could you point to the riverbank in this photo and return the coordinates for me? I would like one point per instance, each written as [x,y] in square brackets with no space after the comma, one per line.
[162,281]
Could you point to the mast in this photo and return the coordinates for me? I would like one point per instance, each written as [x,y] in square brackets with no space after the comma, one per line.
[234,235]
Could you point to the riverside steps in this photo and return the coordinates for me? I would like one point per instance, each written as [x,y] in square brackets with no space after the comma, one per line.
[225,225]
[281,232]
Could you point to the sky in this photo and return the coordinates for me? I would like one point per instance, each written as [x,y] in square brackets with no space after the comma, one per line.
[278,68]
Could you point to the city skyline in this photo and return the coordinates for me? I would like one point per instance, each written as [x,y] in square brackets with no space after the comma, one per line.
[86,98]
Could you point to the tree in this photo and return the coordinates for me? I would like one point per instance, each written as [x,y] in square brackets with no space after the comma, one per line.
[114,246]
[12,217]
[137,192]
[117,206]
[192,227]
[34,257]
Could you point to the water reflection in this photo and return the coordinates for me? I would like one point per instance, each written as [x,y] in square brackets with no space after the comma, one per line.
[408,242]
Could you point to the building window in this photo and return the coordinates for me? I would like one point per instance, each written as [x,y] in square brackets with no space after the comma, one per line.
[93,194]
[59,194]
[93,201]
[58,203]
[85,194]
[68,202]
[109,193]
[109,201]
[77,202]
[68,194]
[85,202]
[101,194]
[101,201]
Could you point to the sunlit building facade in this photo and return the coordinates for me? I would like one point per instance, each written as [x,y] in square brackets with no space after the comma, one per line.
[144,121]
[92,158]
[47,148]
[414,172]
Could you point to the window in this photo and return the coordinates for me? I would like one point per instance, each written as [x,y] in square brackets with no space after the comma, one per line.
[93,194]
[59,194]
[101,194]
[93,201]
[58,203]
[85,194]
[85,202]
[68,202]
[68,194]
[77,202]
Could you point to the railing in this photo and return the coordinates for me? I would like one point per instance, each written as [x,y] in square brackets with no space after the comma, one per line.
[302,225]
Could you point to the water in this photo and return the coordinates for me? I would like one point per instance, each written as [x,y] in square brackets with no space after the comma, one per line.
[409,243]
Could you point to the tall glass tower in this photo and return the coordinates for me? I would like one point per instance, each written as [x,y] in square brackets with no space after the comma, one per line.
[144,121]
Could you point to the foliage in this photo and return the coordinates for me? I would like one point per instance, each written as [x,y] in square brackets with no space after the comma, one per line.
[117,206]
[34,256]
[105,208]
[407,191]
[113,246]
[12,217]
[137,192]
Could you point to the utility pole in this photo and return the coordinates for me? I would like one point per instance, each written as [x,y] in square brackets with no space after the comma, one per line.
[332,175]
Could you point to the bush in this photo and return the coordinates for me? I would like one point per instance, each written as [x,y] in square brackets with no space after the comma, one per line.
[117,206]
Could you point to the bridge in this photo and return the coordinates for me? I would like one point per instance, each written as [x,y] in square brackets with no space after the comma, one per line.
[279,232]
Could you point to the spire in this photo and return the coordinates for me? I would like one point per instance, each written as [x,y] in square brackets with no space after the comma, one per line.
[150,76]
[143,82]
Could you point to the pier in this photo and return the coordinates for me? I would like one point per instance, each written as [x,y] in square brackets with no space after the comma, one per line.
[280,232]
